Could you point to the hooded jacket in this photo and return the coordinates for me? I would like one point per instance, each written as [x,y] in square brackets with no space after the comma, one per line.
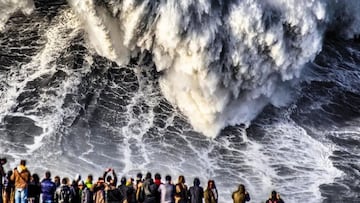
[21,177]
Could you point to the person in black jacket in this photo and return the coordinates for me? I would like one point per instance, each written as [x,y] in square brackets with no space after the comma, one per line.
[196,192]
[2,174]
[34,189]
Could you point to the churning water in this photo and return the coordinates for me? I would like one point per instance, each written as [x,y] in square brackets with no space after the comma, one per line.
[239,91]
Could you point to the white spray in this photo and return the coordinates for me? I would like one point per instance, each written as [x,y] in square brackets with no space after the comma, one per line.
[8,7]
[222,62]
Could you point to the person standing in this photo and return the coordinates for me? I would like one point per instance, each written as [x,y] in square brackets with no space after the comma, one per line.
[274,198]
[2,174]
[63,193]
[167,191]
[139,193]
[240,195]
[21,176]
[196,192]
[181,195]
[211,194]
[9,188]
[48,188]
[86,194]
[34,189]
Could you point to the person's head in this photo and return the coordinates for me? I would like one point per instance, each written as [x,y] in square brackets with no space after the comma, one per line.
[196,181]
[100,181]
[181,179]
[129,181]
[89,178]
[23,162]
[64,181]
[35,178]
[148,175]
[9,173]
[138,177]
[123,180]
[157,176]
[241,188]
[211,184]
[57,179]
[168,178]
[81,184]
[3,161]
[273,194]
[47,175]
[109,179]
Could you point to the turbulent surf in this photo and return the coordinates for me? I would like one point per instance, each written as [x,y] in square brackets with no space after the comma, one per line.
[263,93]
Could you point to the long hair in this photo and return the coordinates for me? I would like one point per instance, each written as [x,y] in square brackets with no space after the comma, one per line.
[209,184]
[181,179]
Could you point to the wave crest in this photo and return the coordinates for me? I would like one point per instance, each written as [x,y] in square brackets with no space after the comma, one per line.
[222,62]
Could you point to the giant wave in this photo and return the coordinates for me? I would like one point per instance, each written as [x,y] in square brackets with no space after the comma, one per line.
[221,62]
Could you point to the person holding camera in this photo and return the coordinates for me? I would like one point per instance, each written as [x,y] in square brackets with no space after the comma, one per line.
[2,174]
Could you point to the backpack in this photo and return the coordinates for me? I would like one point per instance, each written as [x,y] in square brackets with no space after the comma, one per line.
[65,194]
[141,197]
[150,188]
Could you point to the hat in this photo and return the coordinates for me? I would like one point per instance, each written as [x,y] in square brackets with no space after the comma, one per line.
[81,182]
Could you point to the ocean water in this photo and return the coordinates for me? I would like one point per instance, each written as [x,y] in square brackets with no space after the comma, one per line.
[263,93]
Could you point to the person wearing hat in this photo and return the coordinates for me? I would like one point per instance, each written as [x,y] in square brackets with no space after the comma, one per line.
[85,193]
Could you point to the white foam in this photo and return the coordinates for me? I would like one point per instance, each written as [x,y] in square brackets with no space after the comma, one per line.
[286,143]
[9,7]
[212,61]
[64,28]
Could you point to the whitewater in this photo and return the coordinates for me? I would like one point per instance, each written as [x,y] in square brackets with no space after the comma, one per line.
[263,93]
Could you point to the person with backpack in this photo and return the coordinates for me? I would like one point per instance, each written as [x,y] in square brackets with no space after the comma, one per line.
[63,193]
[167,191]
[150,189]
[48,188]
[21,176]
[240,195]
[196,192]
[130,192]
[139,193]
[122,188]
[274,198]
[181,195]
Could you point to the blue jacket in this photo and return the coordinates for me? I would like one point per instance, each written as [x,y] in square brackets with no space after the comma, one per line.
[48,189]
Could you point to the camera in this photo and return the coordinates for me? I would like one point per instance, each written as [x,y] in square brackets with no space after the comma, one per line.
[3,161]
